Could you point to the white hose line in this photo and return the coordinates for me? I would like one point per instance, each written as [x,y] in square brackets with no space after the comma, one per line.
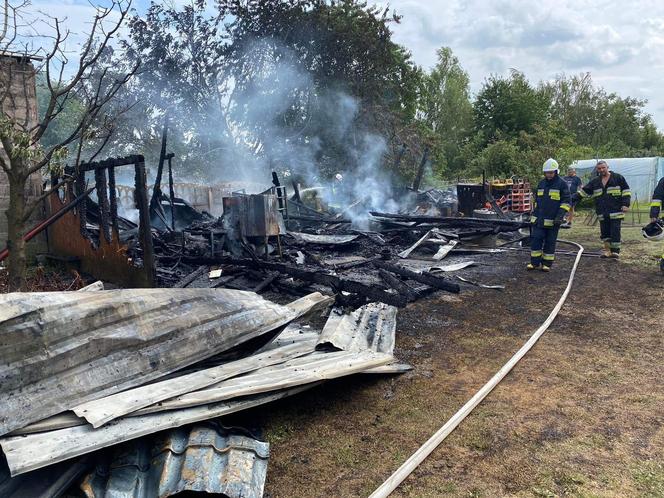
[425,450]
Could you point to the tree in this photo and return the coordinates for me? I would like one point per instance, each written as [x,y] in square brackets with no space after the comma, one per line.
[89,83]
[509,106]
[606,122]
[296,85]
[445,110]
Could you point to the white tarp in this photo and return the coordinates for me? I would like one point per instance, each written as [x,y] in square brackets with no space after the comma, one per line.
[641,173]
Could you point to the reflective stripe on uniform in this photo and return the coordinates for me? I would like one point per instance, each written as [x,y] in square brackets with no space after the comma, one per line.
[554,194]
[597,192]
[627,193]
[656,203]
[548,223]
[613,190]
[549,257]
[583,193]
[533,219]
[565,206]
[614,245]
[540,192]
[600,217]
[617,216]
[535,254]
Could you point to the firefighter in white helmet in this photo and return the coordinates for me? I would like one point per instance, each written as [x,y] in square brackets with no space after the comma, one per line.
[552,202]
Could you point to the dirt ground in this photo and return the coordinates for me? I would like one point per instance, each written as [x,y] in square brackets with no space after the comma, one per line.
[581,415]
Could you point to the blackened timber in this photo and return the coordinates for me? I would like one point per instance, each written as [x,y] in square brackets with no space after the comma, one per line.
[191,277]
[423,278]
[171,189]
[111,163]
[82,209]
[113,201]
[457,222]
[102,197]
[420,171]
[355,264]
[145,229]
[399,286]
[267,281]
[314,218]
[338,284]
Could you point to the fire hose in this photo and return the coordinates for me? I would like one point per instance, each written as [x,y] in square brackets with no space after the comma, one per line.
[434,441]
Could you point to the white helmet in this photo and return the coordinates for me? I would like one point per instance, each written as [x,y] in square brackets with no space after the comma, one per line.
[550,165]
[654,230]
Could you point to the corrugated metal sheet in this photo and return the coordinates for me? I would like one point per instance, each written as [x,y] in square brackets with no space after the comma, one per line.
[60,349]
[371,327]
[296,372]
[33,451]
[368,335]
[200,458]
[101,411]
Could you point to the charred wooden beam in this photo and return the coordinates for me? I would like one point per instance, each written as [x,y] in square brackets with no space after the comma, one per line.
[300,217]
[401,287]
[423,278]
[145,229]
[355,264]
[420,171]
[113,201]
[104,211]
[267,281]
[111,163]
[82,209]
[460,222]
[191,277]
[318,276]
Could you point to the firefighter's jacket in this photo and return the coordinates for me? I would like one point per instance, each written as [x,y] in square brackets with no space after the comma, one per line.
[657,199]
[610,198]
[552,201]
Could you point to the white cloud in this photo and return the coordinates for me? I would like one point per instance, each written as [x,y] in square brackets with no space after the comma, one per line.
[620,43]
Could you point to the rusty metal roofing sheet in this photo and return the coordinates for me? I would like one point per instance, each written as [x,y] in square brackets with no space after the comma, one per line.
[60,349]
[201,458]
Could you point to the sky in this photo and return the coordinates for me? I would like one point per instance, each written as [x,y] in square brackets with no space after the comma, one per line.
[620,43]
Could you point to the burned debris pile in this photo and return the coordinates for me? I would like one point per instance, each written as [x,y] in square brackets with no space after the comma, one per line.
[272,243]
[213,315]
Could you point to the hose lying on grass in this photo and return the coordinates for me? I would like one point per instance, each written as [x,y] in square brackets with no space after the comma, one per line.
[425,450]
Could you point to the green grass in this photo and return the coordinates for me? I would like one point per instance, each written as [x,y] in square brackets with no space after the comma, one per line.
[635,249]
[649,478]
